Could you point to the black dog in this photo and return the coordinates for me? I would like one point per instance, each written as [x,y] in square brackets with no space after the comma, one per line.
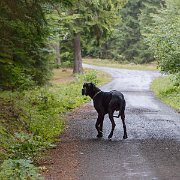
[106,103]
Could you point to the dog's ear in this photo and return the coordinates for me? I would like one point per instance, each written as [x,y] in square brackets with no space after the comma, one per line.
[84,84]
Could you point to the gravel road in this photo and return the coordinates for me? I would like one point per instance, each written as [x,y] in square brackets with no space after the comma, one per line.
[152,150]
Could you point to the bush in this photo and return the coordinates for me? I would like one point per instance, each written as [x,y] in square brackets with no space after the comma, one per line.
[35,120]
[20,169]
[89,76]
[36,116]
[23,49]
[27,146]
[163,37]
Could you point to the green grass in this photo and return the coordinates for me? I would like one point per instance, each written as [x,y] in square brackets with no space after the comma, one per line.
[37,115]
[166,90]
[30,120]
[115,64]
[102,76]
[64,75]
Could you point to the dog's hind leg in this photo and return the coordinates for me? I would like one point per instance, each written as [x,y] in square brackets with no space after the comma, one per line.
[112,122]
[99,125]
[124,125]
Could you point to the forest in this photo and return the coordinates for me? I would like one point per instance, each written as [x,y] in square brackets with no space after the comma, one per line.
[38,36]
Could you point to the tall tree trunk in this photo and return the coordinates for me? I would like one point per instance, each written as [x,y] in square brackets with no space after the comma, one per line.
[77,55]
[57,50]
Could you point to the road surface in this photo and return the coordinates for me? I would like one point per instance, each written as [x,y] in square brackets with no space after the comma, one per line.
[151,152]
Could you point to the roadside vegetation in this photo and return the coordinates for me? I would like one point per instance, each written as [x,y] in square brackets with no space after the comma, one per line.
[164,40]
[167,90]
[30,121]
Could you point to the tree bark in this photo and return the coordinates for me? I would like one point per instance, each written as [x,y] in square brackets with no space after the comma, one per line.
[77,55]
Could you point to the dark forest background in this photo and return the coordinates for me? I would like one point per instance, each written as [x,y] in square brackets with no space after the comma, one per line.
[38,35]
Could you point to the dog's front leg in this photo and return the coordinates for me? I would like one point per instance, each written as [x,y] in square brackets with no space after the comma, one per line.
[99,125]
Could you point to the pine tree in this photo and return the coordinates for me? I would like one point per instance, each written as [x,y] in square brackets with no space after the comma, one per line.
[126,42]
[23,55]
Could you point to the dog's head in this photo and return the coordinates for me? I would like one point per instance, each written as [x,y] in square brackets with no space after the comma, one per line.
[88,89]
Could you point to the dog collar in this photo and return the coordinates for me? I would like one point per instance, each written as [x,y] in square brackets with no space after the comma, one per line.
[96,94]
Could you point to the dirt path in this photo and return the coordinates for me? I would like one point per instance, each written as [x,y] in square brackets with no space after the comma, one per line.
[152,150]
[62,163]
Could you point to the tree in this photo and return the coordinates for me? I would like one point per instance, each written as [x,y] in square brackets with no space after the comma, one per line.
[96,17]
[126,42]
[163,38]
[131,42]
[24,54]
[23,57]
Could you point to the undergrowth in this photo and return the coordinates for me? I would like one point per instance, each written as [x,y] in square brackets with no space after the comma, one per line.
[30,122]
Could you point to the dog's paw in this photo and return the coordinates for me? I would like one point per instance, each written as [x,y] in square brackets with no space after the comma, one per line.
[125,137]
[109,137]
[99,135]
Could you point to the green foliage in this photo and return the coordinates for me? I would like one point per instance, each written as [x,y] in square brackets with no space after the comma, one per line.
[23,52]
[27,146]
[131,42]
[126,42]
[90,76]
[104,17]
[163,38]
[20,169]
[16,77]
[94,20]
[30,122]
[66,64]
[96,16]
[167,89]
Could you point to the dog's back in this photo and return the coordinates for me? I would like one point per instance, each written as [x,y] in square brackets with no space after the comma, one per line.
[118,100]
[117,94]
[113,100]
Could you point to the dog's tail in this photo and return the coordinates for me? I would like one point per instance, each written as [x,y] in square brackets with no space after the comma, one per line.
[118,115]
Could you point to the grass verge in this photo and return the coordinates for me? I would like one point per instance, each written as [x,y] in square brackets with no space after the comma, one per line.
[115,64]
[166,90]
[31,120]
[65,76]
